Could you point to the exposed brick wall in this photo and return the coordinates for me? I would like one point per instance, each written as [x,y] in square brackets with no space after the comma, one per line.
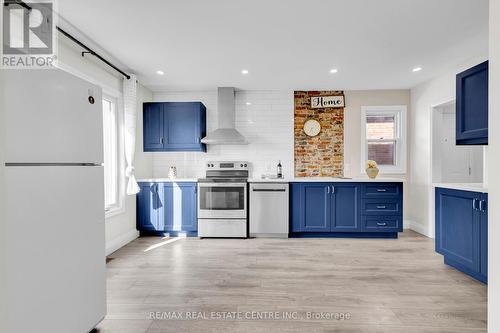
[322,155]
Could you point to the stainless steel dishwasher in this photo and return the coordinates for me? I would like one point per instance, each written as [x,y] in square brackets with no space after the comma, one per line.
[269,210]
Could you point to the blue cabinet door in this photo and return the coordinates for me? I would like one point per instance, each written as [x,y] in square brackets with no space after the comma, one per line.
[472,106]
[315,207]
[150,207]
[458,228]
[345,207]
[484,236]
[183,126]
[153,126]
[180,207]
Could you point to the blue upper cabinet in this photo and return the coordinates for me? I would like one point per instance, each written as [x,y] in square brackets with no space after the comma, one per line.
[461,230]
[472,106]
[153,126]
[174,126]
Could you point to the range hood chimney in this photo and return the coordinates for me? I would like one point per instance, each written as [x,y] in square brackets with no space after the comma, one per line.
[225,134]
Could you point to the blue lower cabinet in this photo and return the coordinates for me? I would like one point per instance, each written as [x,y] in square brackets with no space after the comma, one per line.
[180,207]
[346,213]
[316,208]
[377,223]
[150,208]
[461,230]
[349,209]
[167,208]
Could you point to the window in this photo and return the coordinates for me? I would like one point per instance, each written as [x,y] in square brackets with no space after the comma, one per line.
[383,130]
[111,162]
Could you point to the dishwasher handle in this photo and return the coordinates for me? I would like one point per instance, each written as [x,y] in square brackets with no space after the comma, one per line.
[269,189]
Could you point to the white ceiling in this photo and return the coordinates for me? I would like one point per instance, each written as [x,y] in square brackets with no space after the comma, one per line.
[284,44]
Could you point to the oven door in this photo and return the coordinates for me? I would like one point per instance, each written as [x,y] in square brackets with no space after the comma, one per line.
[222,200]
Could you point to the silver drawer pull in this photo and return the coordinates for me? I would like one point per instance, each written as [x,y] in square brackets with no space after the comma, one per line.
[381,224]
[381,207]
[381,190]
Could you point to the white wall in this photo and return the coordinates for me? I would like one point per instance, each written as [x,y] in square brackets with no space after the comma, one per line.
[423,98]
[3,233]
[494,176]
[120,228]
[268,125]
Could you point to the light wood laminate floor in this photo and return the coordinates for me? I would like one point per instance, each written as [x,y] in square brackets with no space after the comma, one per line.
[382,285]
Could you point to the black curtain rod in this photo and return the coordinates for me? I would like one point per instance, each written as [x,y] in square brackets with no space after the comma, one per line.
[88,49]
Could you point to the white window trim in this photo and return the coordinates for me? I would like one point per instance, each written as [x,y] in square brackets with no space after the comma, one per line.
[120,206]
[401,147]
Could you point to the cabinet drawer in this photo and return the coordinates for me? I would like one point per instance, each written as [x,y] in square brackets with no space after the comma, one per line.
[382,190]
[381,206]
[377,223]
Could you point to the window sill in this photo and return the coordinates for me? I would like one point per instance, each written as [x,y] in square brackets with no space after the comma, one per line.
[383,171]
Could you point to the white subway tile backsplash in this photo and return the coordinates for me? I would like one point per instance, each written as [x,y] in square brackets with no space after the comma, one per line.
[267,123]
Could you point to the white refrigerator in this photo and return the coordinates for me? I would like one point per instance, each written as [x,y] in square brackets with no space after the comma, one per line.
[54,277]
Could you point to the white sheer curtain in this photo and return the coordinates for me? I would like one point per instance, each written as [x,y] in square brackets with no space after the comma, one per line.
[130,119]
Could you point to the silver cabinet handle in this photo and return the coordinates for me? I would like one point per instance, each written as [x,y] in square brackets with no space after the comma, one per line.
[333,189]
[381,190]
[328,189]
[381,224]
[161,140]
[474,204]
[482,205]
[381,207]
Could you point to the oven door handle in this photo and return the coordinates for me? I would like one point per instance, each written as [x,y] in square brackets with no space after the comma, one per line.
[222,185]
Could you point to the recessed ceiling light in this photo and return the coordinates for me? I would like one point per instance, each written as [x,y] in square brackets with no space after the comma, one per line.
[417,69]
[333,70]
[248,103]
[244,71]
[159,72]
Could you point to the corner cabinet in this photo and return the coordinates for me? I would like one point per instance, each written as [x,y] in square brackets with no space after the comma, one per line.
[462,230]
[346,209]
[174,126]
[167,208]
[472,106]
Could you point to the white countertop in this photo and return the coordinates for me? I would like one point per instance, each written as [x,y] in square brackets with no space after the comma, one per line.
[474,187]
[286,180]
[168,180]
[327,180]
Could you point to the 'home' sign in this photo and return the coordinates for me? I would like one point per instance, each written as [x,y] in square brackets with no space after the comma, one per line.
[327,102]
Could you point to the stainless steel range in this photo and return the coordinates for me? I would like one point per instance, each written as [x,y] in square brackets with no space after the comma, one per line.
[222,200]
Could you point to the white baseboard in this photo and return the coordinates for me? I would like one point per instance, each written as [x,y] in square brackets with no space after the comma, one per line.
[121,241]
[421,229]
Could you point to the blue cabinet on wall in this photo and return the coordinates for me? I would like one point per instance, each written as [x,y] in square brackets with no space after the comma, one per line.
[174,126]
[472,106]
[462,230]
[347,209]
[167,208]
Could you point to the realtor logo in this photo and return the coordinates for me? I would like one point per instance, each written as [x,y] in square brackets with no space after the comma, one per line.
[28,34]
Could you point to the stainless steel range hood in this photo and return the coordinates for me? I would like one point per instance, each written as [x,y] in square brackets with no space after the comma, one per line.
[225,134]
